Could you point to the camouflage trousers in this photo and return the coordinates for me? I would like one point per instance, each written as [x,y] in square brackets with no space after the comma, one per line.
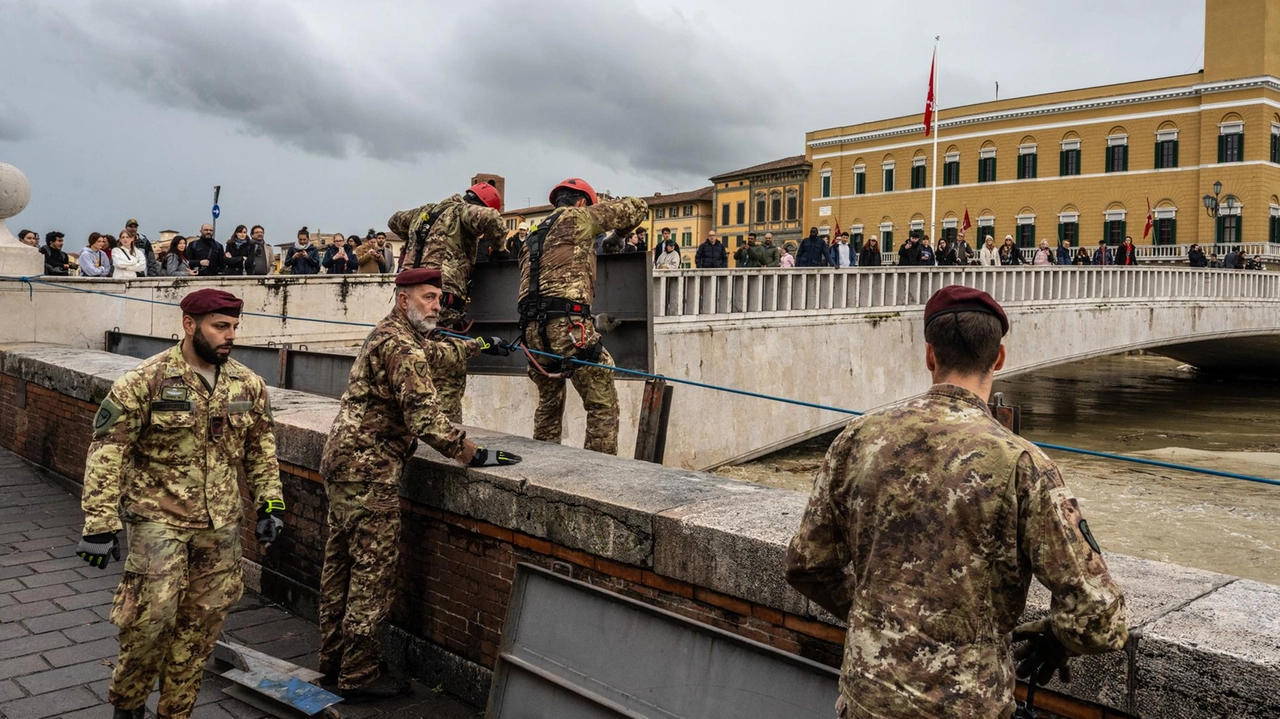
[357,585]
[593,384]
[450,380]
[177,588]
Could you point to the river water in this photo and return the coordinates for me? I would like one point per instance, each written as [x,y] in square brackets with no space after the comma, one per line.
[1151,407]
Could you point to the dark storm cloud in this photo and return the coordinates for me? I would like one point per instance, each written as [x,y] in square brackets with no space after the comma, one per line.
[604,79]
[256,64]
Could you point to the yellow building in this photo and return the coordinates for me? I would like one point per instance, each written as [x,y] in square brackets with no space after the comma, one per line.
[687,214]
[763,198]
[1107,151]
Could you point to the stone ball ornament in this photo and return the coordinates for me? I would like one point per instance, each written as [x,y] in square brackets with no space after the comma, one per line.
[15,194]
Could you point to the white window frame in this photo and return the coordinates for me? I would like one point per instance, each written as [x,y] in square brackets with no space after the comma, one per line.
[1028,149]
[825,175]
[1231,128]
[1069,217]
[1068,145]
[1116,215]
[886,227]
[918,161]
[1275,210]
[1117,140]
[1166,135]
[951,157]
[1224,210]
[950,223]
[1021,220]
[888,165]
[987,153]
[917,225]
[1165,213]
[855,229]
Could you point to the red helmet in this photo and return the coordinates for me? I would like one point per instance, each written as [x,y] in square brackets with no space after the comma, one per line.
[575,183]
[487,194]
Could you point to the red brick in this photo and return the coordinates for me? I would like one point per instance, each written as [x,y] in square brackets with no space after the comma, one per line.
[490,530]
[818,630]
[620,570]
[723,601]
[541,546]
[672,586]
[772,616]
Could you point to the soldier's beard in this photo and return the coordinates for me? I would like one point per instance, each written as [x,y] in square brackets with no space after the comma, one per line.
[207,352]
[421,321]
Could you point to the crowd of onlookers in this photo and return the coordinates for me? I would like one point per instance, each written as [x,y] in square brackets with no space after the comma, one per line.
[246,252]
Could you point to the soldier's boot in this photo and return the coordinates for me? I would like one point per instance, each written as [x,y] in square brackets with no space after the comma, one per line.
[139,713]
[381,689]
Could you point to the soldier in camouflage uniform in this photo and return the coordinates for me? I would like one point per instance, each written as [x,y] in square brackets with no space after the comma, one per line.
[555,310]
[445,236]
[168,444]
[390,401]
[926,524]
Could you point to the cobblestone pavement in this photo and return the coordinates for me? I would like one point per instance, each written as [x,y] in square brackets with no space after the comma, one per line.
[57,648]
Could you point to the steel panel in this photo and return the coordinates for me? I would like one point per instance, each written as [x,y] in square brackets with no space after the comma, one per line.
[623,286]
[264,361]
[575,651]
[318,372]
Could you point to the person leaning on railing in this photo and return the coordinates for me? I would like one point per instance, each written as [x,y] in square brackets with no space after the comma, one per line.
[1196,258]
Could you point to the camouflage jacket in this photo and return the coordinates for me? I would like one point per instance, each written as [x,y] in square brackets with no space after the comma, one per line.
[168,450]
[926,524]
[390,402]
[568,265]
[452,242]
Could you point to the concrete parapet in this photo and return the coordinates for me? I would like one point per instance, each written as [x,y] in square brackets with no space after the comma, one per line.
[704,546]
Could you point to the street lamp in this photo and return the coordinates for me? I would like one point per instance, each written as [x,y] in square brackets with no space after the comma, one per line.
[1213,207]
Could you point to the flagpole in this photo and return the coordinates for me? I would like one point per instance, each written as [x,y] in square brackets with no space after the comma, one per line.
[933,210]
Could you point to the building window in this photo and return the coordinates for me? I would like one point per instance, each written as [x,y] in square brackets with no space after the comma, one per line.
[1026,236]
[860,180]
[793,204]
[775,206]
[1069,158]
[1166,149]
[1165,231]
[1118,153]
[886,237]
[686,238]
[742,213]
[760,217]
[917,174]
[1228,229]
[826,183]
[987,166]
[855,238]
[1274,234]
[1275,144]
[1069,228]
[1027,163]
[888,176]
[659,213]
[1231,142]
[724,214]
[986,228]
[688,210]
[1115,226]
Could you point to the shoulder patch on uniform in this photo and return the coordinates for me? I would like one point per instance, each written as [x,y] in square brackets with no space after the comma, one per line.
[1088,536]
[108,414]
[420,368]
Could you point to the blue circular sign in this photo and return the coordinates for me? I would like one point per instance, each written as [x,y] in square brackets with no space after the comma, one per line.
[217,211]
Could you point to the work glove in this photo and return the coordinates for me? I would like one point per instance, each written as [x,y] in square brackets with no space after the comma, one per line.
[99,549]
[1041,655]
[494,346]
[493,458]
[606,323]
[269,522]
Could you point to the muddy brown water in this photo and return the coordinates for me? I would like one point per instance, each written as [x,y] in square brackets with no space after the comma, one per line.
[1151,407]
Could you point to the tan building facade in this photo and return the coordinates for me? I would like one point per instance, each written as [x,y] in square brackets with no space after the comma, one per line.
[688,216]
[1080,165]
[770,197]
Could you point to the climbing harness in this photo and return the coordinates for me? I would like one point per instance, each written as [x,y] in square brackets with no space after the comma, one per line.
[534,308]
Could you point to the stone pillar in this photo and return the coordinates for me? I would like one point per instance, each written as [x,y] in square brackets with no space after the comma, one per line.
[15,192]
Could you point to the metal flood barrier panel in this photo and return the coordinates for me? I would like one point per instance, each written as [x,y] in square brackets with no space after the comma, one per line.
[573,651]
[623,288]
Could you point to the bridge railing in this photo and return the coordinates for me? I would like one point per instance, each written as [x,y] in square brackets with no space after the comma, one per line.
[705,293]
[1151,253]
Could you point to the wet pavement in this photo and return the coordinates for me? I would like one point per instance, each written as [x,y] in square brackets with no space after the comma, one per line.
[57,648]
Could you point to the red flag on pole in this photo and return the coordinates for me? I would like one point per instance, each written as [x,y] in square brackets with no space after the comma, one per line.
[836,235]
[965,224]
[1151,220]
[928,103]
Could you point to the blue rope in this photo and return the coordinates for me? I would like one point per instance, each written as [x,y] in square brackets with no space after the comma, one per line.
[29,281]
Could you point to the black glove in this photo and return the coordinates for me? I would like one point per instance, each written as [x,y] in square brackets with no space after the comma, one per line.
[1042,655]
[269,522]
[493,458]
[494,346]
[99,549]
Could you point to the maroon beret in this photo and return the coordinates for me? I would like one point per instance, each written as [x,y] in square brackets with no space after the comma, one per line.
[418,276]
[203,302]
[958,298]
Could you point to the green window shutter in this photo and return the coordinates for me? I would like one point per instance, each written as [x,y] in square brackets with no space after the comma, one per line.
[1240,152]
[1062,233]
[1035,163]
[1159,157]
[1175,153]
[1106,231]
[1173,231]
[1222,150]
[1124,228]
[992,176]
[1062,163]
[1217,230]
[1125,159]
[1108,160]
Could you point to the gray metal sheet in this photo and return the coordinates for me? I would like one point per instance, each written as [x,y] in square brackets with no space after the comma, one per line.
[265,361]
[318,372]
[575,651]
[623,287]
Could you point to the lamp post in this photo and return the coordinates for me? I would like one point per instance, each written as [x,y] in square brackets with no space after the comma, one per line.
[1212,205]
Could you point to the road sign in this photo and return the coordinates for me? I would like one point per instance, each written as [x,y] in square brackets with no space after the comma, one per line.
[217,211]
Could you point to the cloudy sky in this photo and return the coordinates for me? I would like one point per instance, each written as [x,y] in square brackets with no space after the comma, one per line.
[334,114]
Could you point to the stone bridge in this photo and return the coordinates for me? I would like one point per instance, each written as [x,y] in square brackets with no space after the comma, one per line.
[845,338]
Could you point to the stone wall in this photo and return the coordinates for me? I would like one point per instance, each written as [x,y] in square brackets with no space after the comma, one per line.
[704,546]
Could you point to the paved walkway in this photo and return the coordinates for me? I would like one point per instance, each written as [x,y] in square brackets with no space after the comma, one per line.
[57,648]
